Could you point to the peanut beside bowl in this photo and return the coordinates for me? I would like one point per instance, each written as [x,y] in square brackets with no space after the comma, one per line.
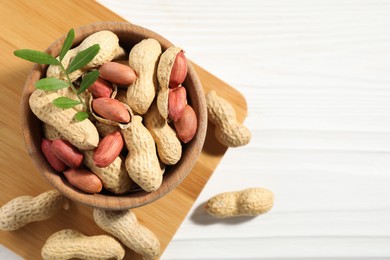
[129,35]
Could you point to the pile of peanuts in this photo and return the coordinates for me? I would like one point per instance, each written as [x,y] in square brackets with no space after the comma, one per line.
[139,120]
[139,117]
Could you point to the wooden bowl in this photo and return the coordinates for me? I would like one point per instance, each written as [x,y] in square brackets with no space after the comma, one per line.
[129,35]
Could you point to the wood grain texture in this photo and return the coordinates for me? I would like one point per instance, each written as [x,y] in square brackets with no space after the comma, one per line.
[24,25]
[316,78]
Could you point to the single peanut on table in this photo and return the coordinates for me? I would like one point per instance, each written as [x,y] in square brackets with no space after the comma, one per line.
[70,244]
[228,131]
[248,202]
[124,226]
[22,210]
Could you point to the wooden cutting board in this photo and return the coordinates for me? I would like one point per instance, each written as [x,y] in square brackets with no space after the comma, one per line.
[25,24]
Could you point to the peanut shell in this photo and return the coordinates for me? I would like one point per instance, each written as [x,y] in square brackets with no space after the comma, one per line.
[26,209]
[124,226]
[143,59]
[164,68]
[70,244]
[142,163]
[83,135]
[168,145]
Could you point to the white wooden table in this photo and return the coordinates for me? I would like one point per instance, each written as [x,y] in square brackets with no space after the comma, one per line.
[316,75]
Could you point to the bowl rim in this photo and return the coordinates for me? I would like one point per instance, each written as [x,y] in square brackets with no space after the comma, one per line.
[191,152]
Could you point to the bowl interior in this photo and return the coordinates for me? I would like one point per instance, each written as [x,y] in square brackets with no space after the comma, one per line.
[129,35]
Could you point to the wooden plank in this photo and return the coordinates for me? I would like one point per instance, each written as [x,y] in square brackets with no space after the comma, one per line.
[24,24]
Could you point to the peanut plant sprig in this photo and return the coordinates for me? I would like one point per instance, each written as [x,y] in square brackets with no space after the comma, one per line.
[49,84]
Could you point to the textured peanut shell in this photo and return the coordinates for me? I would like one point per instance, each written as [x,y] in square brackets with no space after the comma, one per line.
[164,69]
[56,72]
[142,163]
[120,54]
[143,59]
[69,244]
[50,132]
[109,49]
[122,96]
[26,209]
[105,129]
[83,135]
[168,145]
[114,177]
[228,130]
[248,202]
[68,92]
[124,226]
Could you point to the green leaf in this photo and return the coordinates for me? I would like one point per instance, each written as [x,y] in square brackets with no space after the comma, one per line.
[64,102]
[67,44]
[82,58]
[80,116]
[51,84]
[88,80]
[36,56]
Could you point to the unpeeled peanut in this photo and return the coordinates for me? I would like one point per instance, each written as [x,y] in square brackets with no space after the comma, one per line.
[53,160]
[51,133]
[168,145]
[111,109]
[228,131]
[124,226]
[83,135]
[117,73]
[26,209]
[177,100]
[187,125]
[142,163]
[248,202]
[70,244]
[109,49]
[84,180]
[105,129]
[67,153]
[143,58]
